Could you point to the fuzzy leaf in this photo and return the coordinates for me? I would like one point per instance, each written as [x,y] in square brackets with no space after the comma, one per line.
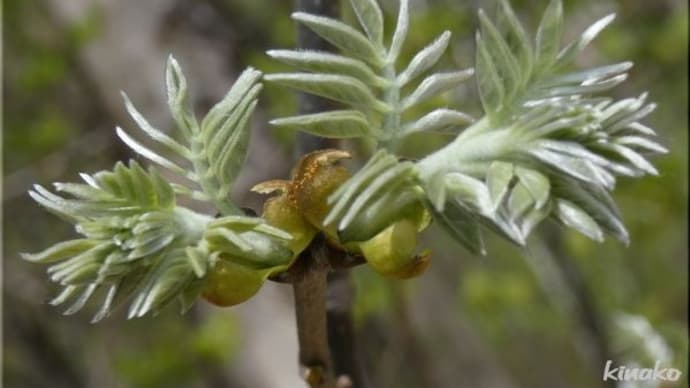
[498,178]
[520,202]
[346,38]
[425,59]
[434,85]
[60,251]
[461,225]
[342,124]
[535,183]
[576,218]
[503,59]
[438,120]
[323,62]
[568,54]
[178,98]
[549,34]
[336,87]
[400,33]
[371,19]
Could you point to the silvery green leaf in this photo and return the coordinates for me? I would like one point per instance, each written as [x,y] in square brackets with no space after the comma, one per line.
[55,204]
[631,118]
[640,128]
[171,278]
[81,301]
[498,178]
[489,82]
[596,73]
[227,240]
[82,191]
[154,133]
[613,112]
[342,124]
[220,148]
[65,294]
[324,62]
[519,202]
[151,247]
[462,226]
[425,59]
[503,59]
[346,38]
[342,197]
[190,294]
[537,116]
[178,98]
[534,217]
[434,85]
[641,143]
[60,251]
[104,311]
[596,201]
[96,254]
[500,223]
[576,218]
[149,154]
[573,149]
[633,157]
[190,193]
[246,87]
[549,34]
[536,184]
[435,189]
[539,128]
[401,172]
[437,121]
[267,251]
[226,164]
[390,206]
[585,88]
[572,166]
[470,191]
[568,54]
[371,19]
[273,232]
[341,88]
[515,37]
[400,33]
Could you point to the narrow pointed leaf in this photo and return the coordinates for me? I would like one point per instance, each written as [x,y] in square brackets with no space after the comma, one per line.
[400,33]
[346,38]
[371,19]
[323,62]
[576,218]
[439,120]
[336,87]
[342,124]
[434,85]
[549,34]
[425,59]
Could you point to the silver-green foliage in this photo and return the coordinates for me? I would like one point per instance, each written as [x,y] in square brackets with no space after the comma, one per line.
[550,143]
[137,244]
[364,78]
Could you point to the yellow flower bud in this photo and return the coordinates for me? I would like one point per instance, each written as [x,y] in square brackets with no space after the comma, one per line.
[391,252]
[230,283]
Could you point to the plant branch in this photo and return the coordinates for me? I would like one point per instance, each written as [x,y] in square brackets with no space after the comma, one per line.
[310,310]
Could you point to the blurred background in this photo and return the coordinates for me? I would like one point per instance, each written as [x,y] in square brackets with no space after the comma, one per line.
[547,316]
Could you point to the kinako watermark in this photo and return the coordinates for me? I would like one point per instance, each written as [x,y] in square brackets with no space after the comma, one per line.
[624,373]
